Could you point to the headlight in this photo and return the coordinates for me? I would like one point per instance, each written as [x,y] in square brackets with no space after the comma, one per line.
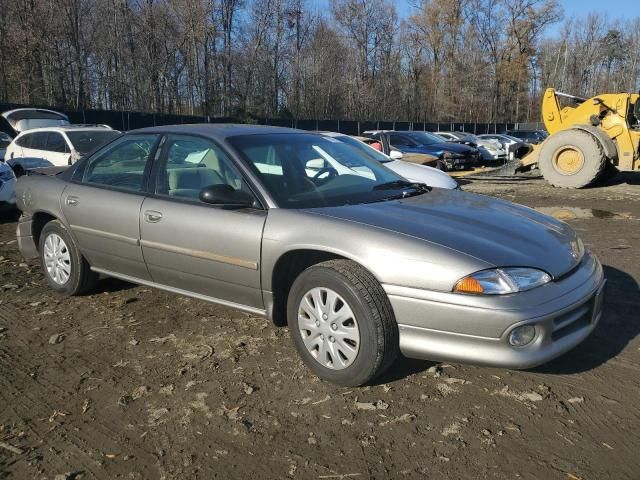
[577,249]
[501,281]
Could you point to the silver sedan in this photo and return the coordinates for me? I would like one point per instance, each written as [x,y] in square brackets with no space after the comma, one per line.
[305,230]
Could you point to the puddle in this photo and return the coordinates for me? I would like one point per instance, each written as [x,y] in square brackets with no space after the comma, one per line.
[574,213]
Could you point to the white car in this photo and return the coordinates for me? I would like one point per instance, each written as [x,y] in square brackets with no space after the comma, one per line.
[411,171]
[7,187]
[515,146]
[60,146]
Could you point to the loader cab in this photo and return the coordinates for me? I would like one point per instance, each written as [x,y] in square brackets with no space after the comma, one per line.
[634,118]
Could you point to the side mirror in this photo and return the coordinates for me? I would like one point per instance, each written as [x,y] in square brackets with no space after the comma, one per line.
[225,195]
[315,164]
[396,154]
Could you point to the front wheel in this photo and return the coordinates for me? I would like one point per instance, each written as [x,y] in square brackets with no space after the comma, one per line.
[65,269]
[342,323]
[571,159]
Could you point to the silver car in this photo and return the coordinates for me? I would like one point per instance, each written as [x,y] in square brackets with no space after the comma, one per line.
[361,263]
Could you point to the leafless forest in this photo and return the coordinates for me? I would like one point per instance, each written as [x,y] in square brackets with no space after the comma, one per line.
[462,60]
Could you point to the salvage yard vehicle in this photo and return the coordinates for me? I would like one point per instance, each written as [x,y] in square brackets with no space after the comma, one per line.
[22,119]
[491,150]
[361,263]
[515,147]
[411,171]
[382,138]
[534,137]
[59,145]
[591,139]
[455,156]
[7,188]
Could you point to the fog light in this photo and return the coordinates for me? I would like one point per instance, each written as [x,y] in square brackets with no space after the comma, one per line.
[521,336]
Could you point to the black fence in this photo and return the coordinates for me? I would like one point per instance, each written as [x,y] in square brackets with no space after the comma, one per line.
[124,121]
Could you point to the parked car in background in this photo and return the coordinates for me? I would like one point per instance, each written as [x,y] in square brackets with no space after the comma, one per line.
[383,144]
[23,119]
[360,262]
[515,147]
[455,156]
[5,140]
[491,150]
[59,145]
[530,136]
[411,171]
[7,188]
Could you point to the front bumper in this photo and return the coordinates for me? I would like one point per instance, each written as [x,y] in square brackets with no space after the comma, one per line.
[460,163]
[475,329]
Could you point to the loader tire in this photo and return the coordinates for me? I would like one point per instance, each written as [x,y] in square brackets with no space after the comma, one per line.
[609,171]
[572,159]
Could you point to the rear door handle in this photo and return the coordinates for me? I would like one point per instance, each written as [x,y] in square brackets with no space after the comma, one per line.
[151,216]
[72,201]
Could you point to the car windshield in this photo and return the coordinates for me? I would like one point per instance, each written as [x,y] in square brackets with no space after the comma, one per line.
[88,140]
[364,148]
[424,138]
[307,170]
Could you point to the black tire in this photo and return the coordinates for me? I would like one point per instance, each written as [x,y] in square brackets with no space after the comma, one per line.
[18,170]
[594,159]
[81,278]
[440,165]
[379,344]
[609,172]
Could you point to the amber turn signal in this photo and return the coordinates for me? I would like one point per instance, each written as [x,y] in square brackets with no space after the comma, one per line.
[468,285]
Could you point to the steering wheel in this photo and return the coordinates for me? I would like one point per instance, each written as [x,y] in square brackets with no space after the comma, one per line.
[330,170]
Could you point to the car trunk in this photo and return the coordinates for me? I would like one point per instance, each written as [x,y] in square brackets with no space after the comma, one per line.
[22,119]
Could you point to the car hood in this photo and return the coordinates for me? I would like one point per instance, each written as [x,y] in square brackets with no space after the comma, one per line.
[497,232]
[422,174]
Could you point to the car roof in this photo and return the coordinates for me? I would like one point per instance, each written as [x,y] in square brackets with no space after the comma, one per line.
[217,130]
[69,128]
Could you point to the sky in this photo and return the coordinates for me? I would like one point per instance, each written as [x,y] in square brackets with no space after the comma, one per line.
[572,9]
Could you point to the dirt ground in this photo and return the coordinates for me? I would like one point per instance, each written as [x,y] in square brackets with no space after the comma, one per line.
[132,383]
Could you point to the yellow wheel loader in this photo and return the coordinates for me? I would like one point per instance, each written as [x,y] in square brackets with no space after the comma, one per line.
[590,140]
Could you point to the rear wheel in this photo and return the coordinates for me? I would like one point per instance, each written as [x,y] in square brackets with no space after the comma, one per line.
[571,159]
[342,323]
[440,165]
[65,269]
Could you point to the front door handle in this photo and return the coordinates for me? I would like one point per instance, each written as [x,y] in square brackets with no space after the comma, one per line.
[151,216]
[72,201]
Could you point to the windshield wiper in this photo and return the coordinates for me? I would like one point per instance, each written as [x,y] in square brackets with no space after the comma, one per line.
[402,184]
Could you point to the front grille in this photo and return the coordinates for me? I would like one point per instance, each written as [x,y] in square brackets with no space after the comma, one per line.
[574,320]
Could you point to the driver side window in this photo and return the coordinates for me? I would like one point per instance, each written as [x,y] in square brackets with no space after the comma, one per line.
[190,164]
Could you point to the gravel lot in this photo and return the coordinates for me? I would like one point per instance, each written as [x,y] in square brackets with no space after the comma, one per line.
[130,382]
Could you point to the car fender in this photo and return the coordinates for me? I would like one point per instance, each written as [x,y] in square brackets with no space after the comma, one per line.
[411,261]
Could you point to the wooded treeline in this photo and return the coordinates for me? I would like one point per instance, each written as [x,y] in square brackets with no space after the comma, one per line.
[462,60]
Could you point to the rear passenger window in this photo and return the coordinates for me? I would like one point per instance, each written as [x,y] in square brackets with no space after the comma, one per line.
[38,141]
[122,165]
[24,141]
[56,143]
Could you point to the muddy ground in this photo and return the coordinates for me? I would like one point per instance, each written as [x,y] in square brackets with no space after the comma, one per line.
[130,382]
